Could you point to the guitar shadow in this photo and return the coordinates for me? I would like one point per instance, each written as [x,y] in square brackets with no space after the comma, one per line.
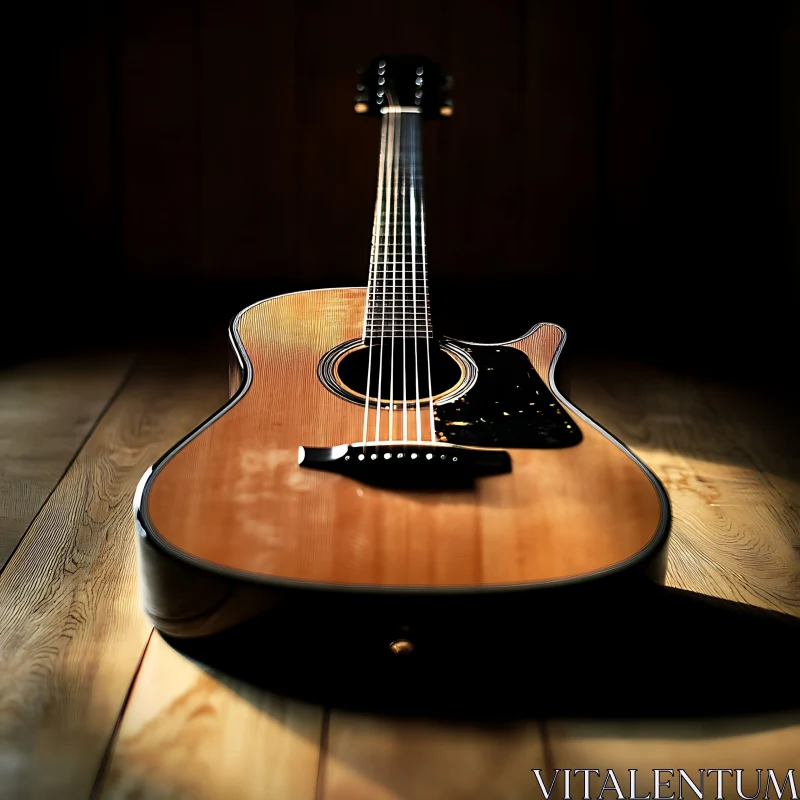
[653,653]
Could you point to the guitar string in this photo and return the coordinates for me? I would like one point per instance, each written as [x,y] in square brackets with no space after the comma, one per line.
[403,260]
[398,151]
[369,317]
[413,212]
[428,332]
[389,168]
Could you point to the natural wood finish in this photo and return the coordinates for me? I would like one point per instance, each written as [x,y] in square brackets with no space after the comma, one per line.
[375,758]
[240,742]
[559,513]
[747,743]
[47,408]
[727,519]
[727,514]
[72,633]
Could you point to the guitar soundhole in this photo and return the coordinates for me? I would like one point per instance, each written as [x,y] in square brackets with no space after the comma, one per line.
[394,375]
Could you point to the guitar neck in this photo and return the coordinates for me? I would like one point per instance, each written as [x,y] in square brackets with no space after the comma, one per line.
[397,297]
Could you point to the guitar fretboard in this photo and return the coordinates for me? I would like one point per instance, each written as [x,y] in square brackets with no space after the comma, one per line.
[397,296]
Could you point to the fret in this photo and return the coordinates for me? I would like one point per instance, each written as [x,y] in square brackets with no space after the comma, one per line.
[398,321]
[391,249]
[398,253]
[390,306]
[393,328]
[396,313]
[389,238]
[395,289]
[419,300]
[390,335]
[410,308]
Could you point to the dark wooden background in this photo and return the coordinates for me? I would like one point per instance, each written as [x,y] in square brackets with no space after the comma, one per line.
[615,166]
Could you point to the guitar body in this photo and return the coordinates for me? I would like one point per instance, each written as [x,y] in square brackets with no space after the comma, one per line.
[369,477]
[229,521]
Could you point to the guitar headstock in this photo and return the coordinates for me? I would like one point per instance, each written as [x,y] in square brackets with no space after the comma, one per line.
[407,81]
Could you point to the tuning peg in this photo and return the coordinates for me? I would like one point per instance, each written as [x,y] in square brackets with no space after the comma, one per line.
[447,83]
[446,108]
[362,104]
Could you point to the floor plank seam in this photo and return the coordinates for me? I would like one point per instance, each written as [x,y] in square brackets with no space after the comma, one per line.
[102,770]
[112,399]
[323,754]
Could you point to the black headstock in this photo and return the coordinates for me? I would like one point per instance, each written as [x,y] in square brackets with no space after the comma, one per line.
[410,81]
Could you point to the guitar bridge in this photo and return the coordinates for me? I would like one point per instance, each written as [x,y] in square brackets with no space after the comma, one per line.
[418,465]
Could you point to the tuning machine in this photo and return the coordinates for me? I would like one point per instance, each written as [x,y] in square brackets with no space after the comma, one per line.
[446,104]
[361,100]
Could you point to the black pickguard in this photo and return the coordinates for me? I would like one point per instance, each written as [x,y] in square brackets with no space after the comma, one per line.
[509,406]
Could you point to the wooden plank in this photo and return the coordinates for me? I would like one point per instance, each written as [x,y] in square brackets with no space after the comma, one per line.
[376,758]
[47,408]
[734,536]
[763,422]
[72,633]
[757,742]
[189,733]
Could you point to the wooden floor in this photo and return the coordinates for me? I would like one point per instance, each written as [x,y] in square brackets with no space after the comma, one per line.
[93,703]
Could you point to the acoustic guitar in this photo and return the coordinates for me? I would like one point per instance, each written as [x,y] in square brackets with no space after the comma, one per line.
[362,454]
